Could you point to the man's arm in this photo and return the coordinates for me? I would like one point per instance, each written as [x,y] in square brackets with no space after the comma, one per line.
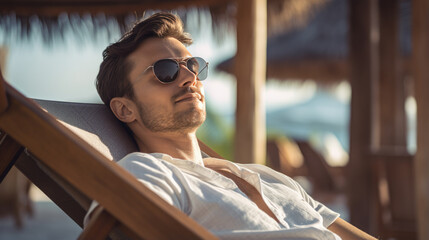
[347,231]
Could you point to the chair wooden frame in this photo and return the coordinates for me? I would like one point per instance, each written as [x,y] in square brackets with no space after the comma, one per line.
[394,194]
[124,200]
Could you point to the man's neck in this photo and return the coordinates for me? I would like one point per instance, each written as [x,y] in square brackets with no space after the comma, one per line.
[178,145]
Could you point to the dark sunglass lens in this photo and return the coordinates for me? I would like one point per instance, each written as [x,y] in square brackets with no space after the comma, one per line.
[166,70]
[192,65]
[199,67]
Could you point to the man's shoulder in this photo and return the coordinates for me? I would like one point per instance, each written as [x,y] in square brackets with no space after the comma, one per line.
[139,157]
[147,161]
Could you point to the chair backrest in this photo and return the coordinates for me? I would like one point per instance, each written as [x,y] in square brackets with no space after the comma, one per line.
[98,127]
[285,156]
[87,170]
[95,124]
[318,169]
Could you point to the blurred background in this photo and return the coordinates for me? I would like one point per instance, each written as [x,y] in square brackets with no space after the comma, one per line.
[306,96]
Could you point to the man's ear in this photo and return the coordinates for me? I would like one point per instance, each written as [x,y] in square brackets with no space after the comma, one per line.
[123,109]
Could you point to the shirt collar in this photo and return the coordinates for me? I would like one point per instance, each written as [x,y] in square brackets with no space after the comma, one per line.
[204,168]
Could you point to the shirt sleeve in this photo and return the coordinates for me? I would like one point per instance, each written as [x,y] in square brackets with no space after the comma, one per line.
[327,214]
[158,175]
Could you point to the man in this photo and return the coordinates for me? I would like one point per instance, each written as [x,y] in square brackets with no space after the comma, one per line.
[153,85]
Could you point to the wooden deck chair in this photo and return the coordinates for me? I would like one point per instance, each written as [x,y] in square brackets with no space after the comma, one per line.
[73,172]
[313,165]
[15,198]
[395,194]
[318,169]
[284,156]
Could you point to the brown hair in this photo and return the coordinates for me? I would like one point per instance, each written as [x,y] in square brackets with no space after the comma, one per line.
[112,79]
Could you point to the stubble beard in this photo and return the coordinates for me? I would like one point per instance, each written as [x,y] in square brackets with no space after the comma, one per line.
[157,120]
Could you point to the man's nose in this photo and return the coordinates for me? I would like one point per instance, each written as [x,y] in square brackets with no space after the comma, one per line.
[186,77]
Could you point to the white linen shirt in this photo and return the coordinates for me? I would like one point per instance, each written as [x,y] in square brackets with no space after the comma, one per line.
[215,201]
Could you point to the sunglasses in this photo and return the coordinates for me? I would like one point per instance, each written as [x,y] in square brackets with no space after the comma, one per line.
[167,70]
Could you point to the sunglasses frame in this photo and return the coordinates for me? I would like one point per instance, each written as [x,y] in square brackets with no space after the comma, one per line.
[178,64]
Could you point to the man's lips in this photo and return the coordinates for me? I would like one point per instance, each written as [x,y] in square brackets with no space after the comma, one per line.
[189,96]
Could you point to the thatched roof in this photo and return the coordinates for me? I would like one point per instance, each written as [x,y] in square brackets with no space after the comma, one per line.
[319,50]
[52,18]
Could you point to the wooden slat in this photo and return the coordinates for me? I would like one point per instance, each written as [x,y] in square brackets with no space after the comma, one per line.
[318,169]
[3,97]
[363,72]
[250,70]
[99,226]
[420,33]
[206,149]
[9,152]
[90,172]
[71,202]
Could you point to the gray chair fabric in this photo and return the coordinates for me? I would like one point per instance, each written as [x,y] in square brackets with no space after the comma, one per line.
[95,124]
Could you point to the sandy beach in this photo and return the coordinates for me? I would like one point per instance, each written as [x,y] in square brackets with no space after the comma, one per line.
[47,223]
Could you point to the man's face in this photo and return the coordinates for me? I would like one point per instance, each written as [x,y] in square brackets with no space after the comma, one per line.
[178,106]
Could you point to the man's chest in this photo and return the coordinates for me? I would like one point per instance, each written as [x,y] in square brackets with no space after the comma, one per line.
[225,205]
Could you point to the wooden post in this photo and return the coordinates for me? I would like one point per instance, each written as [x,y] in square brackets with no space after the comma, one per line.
[363,72]
[420,28]
[3,98]
[391,92]
[250,69]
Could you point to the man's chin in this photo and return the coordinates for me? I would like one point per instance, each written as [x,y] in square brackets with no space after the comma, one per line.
[182,120]
[195,119]
[196,111]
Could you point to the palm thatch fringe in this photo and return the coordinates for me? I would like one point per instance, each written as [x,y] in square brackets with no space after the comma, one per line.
[83,26]
[21,20]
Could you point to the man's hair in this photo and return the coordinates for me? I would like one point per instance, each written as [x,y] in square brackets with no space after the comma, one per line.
[112,79]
